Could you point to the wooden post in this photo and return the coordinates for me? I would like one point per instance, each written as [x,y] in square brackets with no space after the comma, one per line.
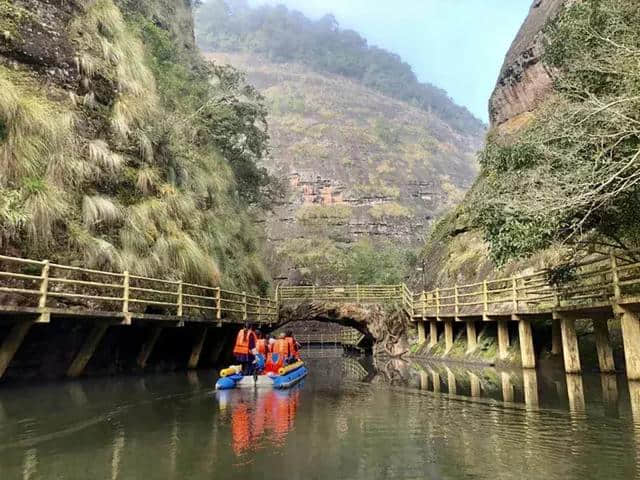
[12,342]
[244,307]
[437,303]
[147,347]
[514,293]
[87,350]
[472,336]
[180,299]
[125,296]
[433,333]
[218,306]
[435,379]
[603,346]
[615,277]
[44,289]
[503,339]
[527,352]
[570,349]
[455,294]
[194,359]
[423,299]
[485,297]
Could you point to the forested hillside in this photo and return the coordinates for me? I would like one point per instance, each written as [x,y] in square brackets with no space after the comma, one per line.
[368,166]
[286,36]
[120,148]
[560,180]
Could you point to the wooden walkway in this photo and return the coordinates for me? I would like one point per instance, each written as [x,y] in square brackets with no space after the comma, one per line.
[600,289]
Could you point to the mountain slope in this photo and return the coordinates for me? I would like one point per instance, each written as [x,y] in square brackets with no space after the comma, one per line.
[360,165]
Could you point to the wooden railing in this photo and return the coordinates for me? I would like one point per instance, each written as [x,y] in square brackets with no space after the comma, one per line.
[345,293]
[45,287]
[587,284]
[348,337]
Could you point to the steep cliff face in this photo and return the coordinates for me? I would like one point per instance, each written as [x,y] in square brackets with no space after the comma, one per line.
[107,156]
[359,165]
[524,79]
[456,251]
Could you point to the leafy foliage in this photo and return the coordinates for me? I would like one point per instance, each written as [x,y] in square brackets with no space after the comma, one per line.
[572,175]
[288,36]
[152,166]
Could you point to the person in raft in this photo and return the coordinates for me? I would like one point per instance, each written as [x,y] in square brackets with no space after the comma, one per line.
[245,348]
[263,344]
[294,346]
[279,355]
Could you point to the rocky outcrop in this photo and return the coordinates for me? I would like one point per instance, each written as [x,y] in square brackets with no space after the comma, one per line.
[524,79]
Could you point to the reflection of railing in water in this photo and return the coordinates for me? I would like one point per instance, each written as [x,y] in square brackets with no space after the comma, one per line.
[346,338]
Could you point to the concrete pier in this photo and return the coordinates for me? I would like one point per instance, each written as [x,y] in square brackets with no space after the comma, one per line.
[507,387]
[147,347]
[570,350]
[630,323]
[422,333]
[527,351]
[433,333]
[503,339]
[11,344]
[472,336]
[575,391]
[448,335]
[87,350]
[603,345]
[198,343]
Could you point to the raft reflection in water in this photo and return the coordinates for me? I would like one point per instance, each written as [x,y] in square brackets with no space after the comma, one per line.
[259,418]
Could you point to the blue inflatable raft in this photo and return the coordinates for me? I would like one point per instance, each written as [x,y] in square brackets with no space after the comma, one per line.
[284,381]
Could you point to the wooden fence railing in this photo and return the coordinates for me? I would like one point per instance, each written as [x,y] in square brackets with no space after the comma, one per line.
[348,337]
[47,287]
[587,284]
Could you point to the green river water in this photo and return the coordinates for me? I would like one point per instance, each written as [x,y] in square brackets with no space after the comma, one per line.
[350,419]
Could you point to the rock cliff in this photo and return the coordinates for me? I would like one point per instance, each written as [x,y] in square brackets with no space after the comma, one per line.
[524,79]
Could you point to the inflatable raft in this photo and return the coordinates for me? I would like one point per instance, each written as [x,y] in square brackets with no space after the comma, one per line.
[287,377]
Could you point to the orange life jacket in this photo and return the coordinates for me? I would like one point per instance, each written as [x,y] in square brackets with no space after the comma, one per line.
[282,348]
[262,346]
[243,342]
[293,346]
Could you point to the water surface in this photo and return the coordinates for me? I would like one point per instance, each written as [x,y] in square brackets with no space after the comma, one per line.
[349,420]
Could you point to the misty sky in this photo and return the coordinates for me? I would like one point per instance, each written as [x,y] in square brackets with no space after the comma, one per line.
[458,45]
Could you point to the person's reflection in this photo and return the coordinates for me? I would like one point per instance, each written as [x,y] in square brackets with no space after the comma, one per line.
[264,418]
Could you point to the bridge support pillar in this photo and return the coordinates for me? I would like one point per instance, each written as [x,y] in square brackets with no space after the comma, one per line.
[194,359]
[433,333]
[570,351]
[87,350]
[631,338]
[508,390]
[218,348]
[472,336]
[475,385]
[503,339]
[575,393]
[11,344]
[451,382]
[603,345]
[556,338]
[448,335]
[525,334]
[422,332]
[147,347]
